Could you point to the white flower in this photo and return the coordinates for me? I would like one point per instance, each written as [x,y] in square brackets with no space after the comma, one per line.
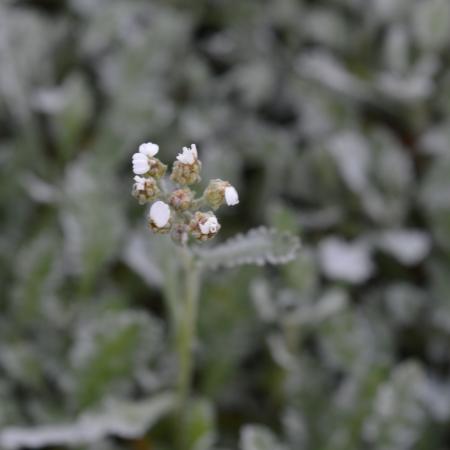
[140,183]
[210,226]
[149,149]
[140,164]
[160,214]
[231,196]
[189,155]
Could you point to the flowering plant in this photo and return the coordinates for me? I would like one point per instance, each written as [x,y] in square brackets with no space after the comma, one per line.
[179,212]
[175,210]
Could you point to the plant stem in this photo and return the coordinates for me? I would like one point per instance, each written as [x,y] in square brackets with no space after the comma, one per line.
[172,293]
[186,339]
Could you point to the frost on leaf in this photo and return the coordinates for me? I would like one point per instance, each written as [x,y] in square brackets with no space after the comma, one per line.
[259,246]
[256,437]
[122,419]
[350,262]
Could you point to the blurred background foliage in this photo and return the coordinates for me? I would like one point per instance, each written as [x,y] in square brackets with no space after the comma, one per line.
[332,117]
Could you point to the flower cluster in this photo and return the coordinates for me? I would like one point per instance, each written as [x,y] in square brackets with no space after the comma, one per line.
[179,212]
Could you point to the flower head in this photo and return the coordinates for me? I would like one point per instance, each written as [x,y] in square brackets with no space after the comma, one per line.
[204,226]
[140,164]
[218,192]
[189,155]
[149,149]
[211,225]
[159,217]
[178,211]
[157,168]
[187,167]
[144,189]
[144,162]
[181,199]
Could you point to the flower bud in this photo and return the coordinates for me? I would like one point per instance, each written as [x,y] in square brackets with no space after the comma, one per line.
[157,168]
[204,226]
[218,192]
[186,169]
[144,189]
[159,218]
[181,199]
[147,165]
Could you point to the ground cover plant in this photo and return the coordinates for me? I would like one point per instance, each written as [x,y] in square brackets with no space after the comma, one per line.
[330,120]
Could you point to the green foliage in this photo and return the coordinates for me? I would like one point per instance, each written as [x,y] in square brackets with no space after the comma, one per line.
[255,437]
[106,351]
[258,246]
[332,120]
[200,425]
[124,419]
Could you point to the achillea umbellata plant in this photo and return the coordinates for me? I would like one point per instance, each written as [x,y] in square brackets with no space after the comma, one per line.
[188,219]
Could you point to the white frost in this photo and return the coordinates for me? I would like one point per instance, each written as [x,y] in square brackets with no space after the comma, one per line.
[408,246]
[345,261]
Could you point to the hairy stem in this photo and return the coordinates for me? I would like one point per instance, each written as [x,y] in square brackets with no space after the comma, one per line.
[172,293]
[186,339]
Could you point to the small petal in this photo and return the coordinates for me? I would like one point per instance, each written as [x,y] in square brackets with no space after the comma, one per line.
[210,226]
[140,169]
[189,155]
[138,156]
[140,183]
[213,228]
[160,214]
[149,149]
[231,196]
[204,227]
[140,164]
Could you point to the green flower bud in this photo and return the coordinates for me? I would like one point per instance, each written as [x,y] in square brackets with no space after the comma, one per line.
[157,168]
[215,193]
[181,199]
[144,189]
[186,174]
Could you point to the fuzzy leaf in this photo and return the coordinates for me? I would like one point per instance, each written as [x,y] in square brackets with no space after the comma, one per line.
[200,425]
[256,437]
[259,246]
[126,420]
[109,350]
[398,415]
